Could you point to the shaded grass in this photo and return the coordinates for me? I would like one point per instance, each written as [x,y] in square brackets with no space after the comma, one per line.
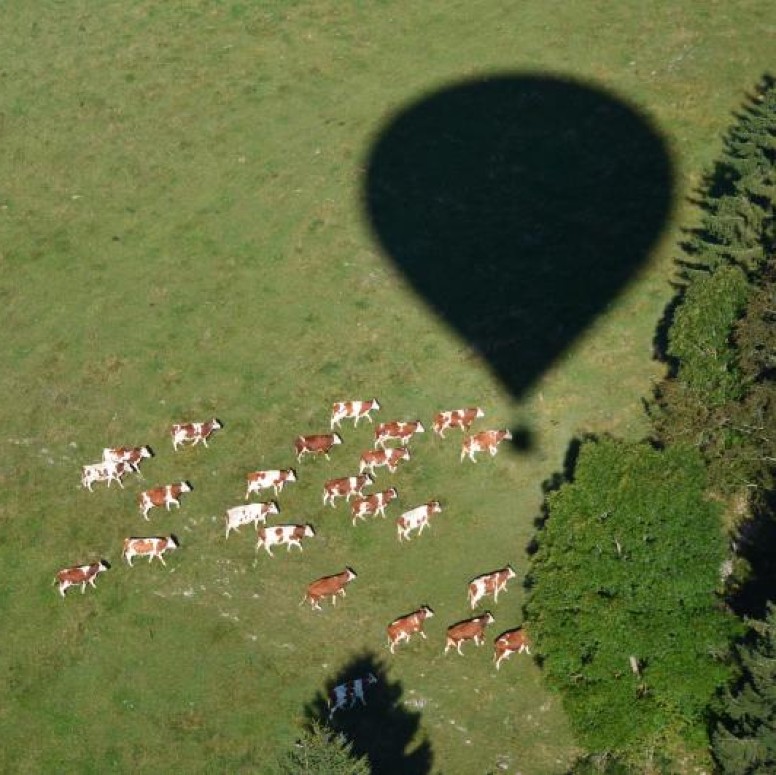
[182,237]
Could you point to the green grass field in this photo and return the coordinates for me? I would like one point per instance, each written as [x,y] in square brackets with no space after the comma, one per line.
[182,235]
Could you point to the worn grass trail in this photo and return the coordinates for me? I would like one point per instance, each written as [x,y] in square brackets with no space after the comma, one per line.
[182,235]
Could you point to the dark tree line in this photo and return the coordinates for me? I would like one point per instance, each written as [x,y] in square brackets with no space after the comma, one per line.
[648,550]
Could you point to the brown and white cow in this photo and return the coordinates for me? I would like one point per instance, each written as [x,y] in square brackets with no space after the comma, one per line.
[264,480]
[290,535]
[151,546]
[193,432]
[238,516]
[104,471]
[317,444]
[346,487]
[379,458]
[345,695]
[328,586]
[405,626]
[79,574]
[130,455]
[416,519]
[470,629]
[482,441]
[372,505]
[489,584]
[166,496]
[352,410]
[397,431]
[456,418]
[508,643]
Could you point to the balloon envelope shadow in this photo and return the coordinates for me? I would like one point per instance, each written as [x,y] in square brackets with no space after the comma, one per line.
[383,729]
[518,207]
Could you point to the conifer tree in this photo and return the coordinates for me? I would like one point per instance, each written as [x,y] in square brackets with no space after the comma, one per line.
[744,742]
[322,751]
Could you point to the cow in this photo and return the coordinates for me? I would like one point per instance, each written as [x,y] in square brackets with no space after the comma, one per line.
[397,431]
[484,440]
[470,629]
[130,455]
[79,574]
[263,480]
[151,546]
[290,535]
[320,444]
[405,626]
[352,410]
[345,695]
[104,471]
[508,643]
[193,432]
[372,505]
[456,418]
[328,586]
[345,487]
[416,519]
[489,584]
[253,512]
[377,458]
[165,496]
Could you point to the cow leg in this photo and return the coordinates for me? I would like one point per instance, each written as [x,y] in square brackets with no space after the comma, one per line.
[83,587]
[458,647]
[422,635]
[161,560]
[63,585]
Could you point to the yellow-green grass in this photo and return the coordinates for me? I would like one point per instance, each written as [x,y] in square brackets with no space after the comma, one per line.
[182,236]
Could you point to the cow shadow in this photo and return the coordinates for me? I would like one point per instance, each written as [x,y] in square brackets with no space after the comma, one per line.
[386,731]
[518,206]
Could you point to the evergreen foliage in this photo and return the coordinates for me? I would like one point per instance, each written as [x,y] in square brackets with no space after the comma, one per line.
[321,751]
[721,396]
[744,740]
[622,604]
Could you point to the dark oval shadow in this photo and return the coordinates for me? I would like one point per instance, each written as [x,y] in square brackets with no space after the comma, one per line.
[518,207]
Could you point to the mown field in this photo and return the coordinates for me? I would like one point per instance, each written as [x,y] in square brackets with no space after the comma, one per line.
[183,234]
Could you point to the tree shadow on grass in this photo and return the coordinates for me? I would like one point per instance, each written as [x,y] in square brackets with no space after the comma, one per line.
[518,207]
[384,730]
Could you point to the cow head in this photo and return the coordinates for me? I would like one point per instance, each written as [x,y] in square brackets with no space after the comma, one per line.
[336,439]
[146,452]
[487,618]
[185,486]
[375,404]
[479,413]
[371,679]
[391,494]
[216,424]
[290,475]
[426,612]
[308,531]
[272,507]
[350,574]
[435,507]
[419,427]
[172,542]
[510,571]
[102,565]
[401,454]
[368,479]
[506,435]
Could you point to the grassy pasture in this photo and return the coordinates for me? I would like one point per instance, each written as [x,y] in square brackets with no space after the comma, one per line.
[182,235]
